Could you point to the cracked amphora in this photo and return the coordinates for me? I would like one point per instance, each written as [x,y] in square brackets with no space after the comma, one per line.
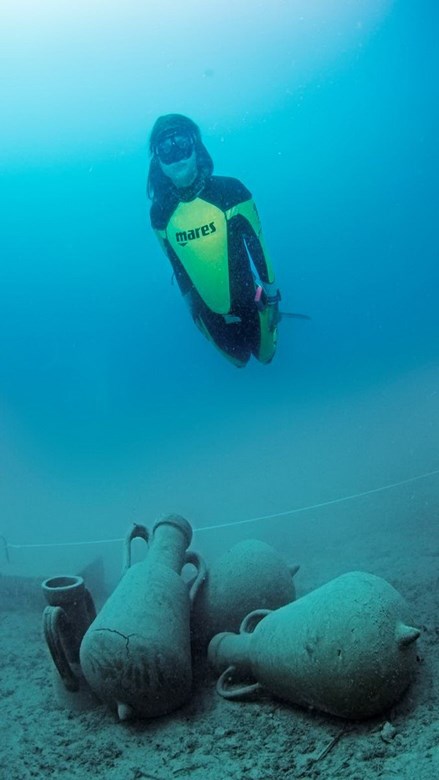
[136,654]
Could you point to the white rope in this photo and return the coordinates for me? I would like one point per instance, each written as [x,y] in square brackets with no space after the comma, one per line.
[322,504]
[273,516]
[63,544]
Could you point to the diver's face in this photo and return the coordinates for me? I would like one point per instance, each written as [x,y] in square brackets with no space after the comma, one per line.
[177,157]
[181,172]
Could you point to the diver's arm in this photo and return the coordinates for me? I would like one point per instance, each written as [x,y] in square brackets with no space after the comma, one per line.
[251,229]
[254,240]
[258,252]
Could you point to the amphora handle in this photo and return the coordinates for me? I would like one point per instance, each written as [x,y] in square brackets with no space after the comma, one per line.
[224,685]
[194,559]
[251,620]
[55,621]
[137,532]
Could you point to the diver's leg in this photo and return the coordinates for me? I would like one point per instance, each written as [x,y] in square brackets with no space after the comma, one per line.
[226,338]
[264,340]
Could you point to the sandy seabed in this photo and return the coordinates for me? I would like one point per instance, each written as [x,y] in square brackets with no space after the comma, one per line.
[218,739]
[393,534]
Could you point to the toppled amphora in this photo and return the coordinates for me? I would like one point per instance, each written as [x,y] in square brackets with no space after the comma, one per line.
[347,648]
[136,654]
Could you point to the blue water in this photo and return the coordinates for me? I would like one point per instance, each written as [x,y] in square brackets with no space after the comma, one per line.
[113,407]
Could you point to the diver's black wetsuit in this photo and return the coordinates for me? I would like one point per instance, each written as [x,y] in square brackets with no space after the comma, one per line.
[209,232]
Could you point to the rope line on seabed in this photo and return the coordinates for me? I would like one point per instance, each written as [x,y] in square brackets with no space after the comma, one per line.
[273,516]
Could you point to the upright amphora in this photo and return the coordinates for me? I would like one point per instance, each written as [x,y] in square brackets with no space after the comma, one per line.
[67,617]
[136,655]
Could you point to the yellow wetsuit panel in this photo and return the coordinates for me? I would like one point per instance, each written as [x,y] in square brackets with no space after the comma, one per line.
[197,232]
